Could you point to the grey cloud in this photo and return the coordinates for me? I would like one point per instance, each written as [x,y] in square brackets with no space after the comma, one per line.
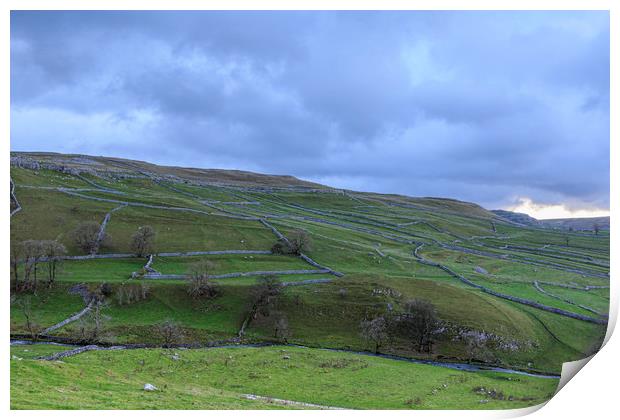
[481,106]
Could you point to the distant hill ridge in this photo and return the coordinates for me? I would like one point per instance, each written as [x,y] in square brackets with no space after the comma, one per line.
[577,223]
[119,168]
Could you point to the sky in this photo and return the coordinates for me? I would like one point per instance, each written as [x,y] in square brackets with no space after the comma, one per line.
[505,109]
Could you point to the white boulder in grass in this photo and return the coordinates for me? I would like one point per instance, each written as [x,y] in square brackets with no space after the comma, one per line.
[150,387]
[480,270]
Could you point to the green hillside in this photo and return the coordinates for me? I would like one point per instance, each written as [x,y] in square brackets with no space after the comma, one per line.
[505,295]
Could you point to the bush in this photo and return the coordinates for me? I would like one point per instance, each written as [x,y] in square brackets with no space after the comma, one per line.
[143,241]
[170,332]
[200,286]
[85,236]
[419,323]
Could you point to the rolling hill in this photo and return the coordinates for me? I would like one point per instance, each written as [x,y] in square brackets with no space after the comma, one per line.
[512,301]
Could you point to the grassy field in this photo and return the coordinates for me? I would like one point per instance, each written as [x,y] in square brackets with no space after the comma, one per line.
[368,237]
[218,379]
[183,231]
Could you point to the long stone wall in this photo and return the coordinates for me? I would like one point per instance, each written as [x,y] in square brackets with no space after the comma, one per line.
[101,233]
[544,292]
[302,282]
[322,267]
[152,206]
[163,254]
[151,276]
[72,318]
[505,296]
[18,207]
[524,260]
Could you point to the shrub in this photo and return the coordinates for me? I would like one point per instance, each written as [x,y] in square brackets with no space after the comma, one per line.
[143,241]
[200,286]
[85,236]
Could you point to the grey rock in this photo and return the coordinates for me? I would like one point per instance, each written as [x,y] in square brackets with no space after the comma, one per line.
[481,270]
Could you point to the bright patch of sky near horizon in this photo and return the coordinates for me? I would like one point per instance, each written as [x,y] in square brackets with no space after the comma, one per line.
[487,107]
[557,211]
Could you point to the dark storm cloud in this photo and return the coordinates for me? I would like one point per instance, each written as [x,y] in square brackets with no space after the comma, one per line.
[480,106]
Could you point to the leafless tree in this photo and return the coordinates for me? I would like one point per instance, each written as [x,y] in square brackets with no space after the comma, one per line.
[53,252]
[24,303]
[281,329]
[32,255]
[420,322]
[375,331]
[92,325]
[143,241]
[596,227]
[300,242]
[170,332]
[86,236]
[263,295]
[200,284]
[17,254]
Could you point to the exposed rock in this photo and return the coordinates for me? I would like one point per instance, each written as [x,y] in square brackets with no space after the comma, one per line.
[150,387]
[481,270]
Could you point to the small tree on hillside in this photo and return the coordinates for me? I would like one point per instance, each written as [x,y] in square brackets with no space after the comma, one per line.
[53,252]
[169,332]
[420,322]
[281,329]
[143,241]
[24,304]
[300,242]
[263,295]
[596,228]
[17,254]
[32,256]
[199,283]
[86,236]
[375,331]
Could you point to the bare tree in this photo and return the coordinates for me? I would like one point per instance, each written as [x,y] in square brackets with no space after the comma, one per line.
[17,254]
[596,227]
[92,325]
[24,304]
[300,242]
[375,331]
[420,322]
[53,252]
[199,283]
[263,295]
[86,236]
[143,241]
[170,332]
[281,329]
[32,255]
